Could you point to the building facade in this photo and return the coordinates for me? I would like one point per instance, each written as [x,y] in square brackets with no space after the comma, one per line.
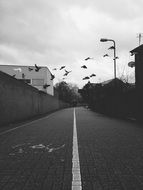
[38,77]
[138,53]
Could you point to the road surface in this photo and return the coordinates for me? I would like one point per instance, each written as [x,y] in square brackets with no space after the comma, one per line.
[72,149]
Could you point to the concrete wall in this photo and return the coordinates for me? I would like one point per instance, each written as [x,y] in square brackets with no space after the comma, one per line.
[19,101]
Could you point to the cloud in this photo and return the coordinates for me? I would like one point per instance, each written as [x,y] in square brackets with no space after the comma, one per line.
[64,32]
[120,10]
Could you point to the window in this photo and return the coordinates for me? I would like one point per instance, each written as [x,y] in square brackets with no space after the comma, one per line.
[37,82]
[28,81]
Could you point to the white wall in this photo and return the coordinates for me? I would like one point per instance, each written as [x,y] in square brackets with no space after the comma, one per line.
[37,79]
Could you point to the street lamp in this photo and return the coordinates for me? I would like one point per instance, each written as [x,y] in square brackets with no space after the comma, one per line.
[105,40]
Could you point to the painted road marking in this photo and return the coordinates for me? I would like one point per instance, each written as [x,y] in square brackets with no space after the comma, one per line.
[76,176]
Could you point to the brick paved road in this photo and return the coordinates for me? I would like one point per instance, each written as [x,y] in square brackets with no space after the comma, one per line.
[110,151]
[38,156]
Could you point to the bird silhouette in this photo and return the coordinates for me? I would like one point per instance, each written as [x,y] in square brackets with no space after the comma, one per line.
[30,69]
[54,69]
[112,47]
[92,75]
[106,55]
[88,58]
[116,58]
[37,68]
[67,72]
[62,67]
[46,86]
[52,77]
[85,78]
[84,66]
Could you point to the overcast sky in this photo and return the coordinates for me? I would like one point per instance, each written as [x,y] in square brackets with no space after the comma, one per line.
[53,33]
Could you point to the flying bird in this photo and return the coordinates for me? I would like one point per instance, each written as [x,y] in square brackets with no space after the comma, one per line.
[37,68]
[106,55]
[92,75]
[52,77]
[46,86]
[88,58]
[62,67]
[84,66]
[112,47]
[85,78]
[30,69]
[54,69]
[115,58]
[67,72]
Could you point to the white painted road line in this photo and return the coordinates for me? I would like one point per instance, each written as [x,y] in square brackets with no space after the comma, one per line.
[76,176]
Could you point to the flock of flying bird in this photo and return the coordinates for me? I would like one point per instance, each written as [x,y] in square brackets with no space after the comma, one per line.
[110,48]
[37,68]
[83,67]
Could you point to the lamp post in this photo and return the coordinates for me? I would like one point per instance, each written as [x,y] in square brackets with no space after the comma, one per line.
[105,40]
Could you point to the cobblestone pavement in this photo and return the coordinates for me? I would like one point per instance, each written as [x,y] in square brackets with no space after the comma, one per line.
[38,155]
[110,151]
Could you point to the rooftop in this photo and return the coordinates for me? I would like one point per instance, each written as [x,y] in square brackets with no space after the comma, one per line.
[137,49]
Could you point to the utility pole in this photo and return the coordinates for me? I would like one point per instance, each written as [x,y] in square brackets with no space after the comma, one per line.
[139,36]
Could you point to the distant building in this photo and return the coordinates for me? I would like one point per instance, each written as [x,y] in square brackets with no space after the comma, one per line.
[39,78]
[114,83]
